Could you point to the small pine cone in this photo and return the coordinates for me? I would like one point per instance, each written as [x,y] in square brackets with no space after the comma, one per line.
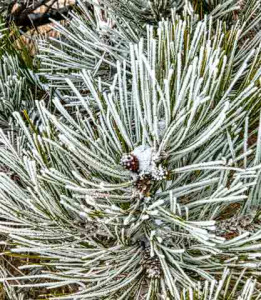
[234,226]
[153,271]
[143,184]
[91,229]
[130,162]
[151,265]
[160,173]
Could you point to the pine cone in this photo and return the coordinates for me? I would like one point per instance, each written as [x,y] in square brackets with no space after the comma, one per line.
[234,226]
[143,184]
[130,162]
[151,265]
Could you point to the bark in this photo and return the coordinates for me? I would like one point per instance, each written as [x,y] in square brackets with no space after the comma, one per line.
[39,13]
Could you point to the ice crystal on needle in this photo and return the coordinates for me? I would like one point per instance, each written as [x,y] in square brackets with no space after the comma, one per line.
[143,161]
[120,179]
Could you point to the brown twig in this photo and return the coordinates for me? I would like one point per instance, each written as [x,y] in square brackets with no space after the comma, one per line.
[27,17]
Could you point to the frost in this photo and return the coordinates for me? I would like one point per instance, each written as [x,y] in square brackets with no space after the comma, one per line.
[158,222]
[147,163]
[159,173]
[161,128]
[144,156]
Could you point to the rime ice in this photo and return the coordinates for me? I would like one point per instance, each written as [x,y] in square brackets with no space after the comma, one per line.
[144,156]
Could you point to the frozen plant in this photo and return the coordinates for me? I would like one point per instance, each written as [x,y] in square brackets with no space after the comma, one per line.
[124,189]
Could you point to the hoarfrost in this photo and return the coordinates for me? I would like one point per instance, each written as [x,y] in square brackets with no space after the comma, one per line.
[144,156]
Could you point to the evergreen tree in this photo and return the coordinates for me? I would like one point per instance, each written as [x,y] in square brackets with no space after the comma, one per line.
[140,178]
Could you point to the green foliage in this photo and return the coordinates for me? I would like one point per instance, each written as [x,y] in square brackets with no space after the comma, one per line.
[20,86]
[13,43]
[123,188]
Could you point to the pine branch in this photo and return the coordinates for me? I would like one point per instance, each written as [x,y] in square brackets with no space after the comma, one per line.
[124,185]
[26,15]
